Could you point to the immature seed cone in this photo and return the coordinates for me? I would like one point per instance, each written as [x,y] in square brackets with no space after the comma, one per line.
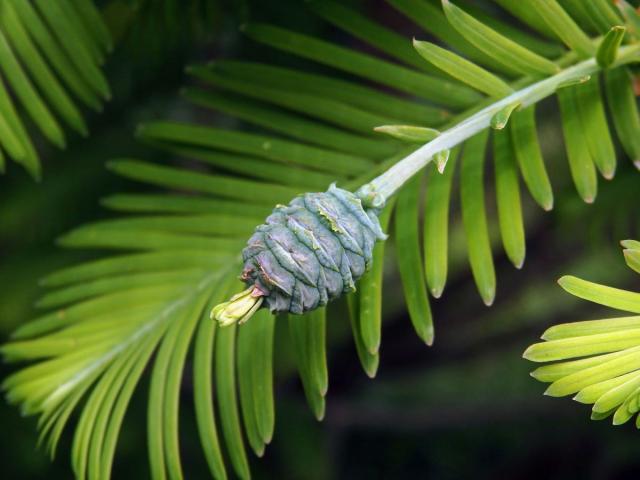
[307,253]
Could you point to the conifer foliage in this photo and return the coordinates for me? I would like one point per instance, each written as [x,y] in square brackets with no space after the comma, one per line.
[468,84]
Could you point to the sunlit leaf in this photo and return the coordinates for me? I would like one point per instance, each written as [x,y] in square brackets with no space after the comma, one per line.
[603,295]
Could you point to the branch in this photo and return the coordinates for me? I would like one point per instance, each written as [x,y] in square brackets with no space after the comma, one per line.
[382,187]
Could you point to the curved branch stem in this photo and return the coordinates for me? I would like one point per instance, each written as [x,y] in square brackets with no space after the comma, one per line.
[386,184]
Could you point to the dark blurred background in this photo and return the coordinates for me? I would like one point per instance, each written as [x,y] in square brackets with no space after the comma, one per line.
[464,408]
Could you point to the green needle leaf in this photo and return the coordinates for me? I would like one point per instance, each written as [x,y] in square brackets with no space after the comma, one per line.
[500,119]
[603,13]
[436,226]
[596,128]
[592,393]
[183,332]
[17,134]
[565,27]
[28,96]
[41,74]
[10,141]
[369,31]
[410,261]
[624,110]
[395,76]
[246,386]
[270,148]
[295,126]
[367,98]
[631,16]
[141,263]
[370,287]
[317,346]
[601,416]
[162,413]
[583,170]
[225,378]
[431,19]
[525,143]
[508,198]
[202,389]
[326,109]
[583,346]
[497,46]
[530,16]
[221,186]
[632,257]
[628,408]
[591,327]
[462,69]
[309,344]
[474,216]
[555,371]
[77,49]
[616,396]
[91,289]
[575,382]
[608,49]
[368,360]
[409,133]
[63,63]
[255,348]
[603,295]
[94,23]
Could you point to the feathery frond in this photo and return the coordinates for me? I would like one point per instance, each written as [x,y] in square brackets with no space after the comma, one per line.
[596,360]
[177,253]
[50,60]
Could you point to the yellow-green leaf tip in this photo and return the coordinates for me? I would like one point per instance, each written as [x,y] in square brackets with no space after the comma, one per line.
[429,338]
[580,398]
[554,391]
[530,354]
[564,280]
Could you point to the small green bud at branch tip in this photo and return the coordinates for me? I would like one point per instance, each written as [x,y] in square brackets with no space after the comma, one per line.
[408,133]
[239,309]
[441,159]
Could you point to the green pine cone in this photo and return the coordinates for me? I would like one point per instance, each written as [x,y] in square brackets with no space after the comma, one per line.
[311,251]
[307,253]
